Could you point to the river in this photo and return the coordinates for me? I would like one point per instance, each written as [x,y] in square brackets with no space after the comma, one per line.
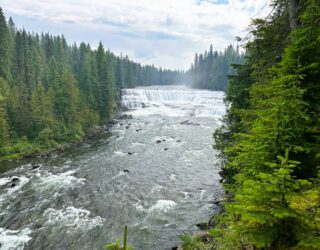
[154,170]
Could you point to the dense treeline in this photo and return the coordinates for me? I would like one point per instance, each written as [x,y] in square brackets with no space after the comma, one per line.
[51,92]
[211,69]
[271,139]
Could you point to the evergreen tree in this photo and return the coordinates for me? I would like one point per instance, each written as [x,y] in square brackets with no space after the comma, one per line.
[4,48]
[210,70]
[271,139]
[4,126]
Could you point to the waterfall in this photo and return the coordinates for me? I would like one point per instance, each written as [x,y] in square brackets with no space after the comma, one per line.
[140,98]
[170,99]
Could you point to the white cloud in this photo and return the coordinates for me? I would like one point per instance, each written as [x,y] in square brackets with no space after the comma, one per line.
[170,31]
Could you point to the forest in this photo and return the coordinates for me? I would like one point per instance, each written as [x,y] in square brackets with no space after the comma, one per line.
[211,69]
[52,92]
[271,138]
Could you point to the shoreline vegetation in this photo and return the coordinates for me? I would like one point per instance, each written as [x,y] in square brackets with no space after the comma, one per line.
[36,153]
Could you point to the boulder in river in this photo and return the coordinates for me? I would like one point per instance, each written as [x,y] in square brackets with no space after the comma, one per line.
[126,171]
[13,184]
[36,166]
[125,117]
[130,153]
[15,179]
[186,122]
[166,149]
[203,226]
[158,141]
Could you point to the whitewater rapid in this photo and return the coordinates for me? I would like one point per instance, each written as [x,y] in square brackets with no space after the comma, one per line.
[154,170]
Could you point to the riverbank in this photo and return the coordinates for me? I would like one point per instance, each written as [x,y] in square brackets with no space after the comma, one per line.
[31,151]
[24,150]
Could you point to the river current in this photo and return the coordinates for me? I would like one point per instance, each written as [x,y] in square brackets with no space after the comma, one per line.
[153,170]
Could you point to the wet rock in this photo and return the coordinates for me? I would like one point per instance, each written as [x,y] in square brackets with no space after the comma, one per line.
[177,248]
[163,139]
[112,122]
[130,153]
[158,141]
[29,156]
[13,184]
[202,226]
[121,124]
[166,149]
[220,201]
[127,127]
[186,122]
[36,166]
[138,129]
[125,117]
[15,179]
[126,171]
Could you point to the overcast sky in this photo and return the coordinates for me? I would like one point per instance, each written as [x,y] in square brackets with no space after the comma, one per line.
[165,33]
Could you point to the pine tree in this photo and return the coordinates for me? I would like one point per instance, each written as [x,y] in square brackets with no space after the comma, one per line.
[4,48]
[4,126]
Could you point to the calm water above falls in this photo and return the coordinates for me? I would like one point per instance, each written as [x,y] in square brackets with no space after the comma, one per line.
[155,172]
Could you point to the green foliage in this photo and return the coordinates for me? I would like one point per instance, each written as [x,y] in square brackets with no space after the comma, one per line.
[186,239]
[273,110]
[195,243]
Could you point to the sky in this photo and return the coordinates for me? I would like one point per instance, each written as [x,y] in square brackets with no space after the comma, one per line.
[166,33]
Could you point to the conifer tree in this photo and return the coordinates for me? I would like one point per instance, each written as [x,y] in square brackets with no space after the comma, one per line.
[4,48]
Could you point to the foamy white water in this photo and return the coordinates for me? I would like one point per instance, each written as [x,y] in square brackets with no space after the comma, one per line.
[14,239]
[71,218]
[154,171]
[173,101]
